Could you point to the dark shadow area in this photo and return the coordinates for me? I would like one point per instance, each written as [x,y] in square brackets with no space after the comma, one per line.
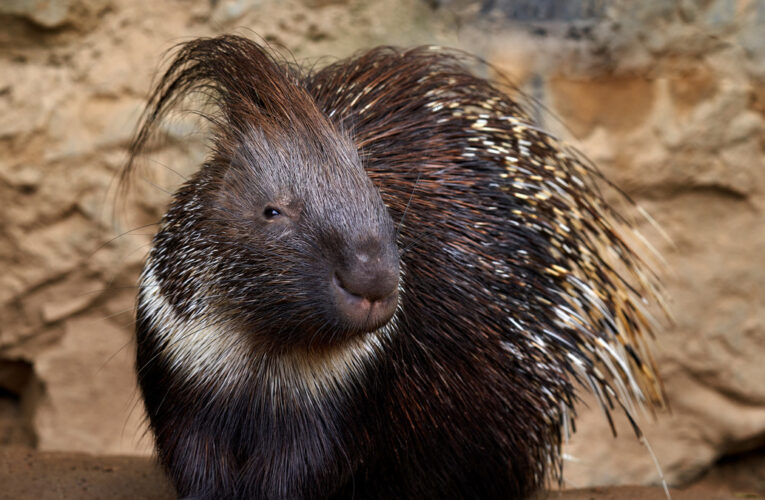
[18,390]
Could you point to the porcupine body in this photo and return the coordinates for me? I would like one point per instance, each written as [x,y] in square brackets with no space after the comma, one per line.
[384,282]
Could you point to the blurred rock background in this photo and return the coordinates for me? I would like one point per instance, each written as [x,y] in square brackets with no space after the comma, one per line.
[667,97]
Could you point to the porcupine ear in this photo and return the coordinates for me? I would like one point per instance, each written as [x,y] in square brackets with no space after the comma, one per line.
[243,87]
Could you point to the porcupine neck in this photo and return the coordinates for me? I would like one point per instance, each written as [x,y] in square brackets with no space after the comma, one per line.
[194,345]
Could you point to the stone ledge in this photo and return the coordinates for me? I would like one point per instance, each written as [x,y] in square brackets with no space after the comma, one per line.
[28,474]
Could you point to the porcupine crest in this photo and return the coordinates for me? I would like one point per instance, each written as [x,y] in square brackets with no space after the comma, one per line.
[517,285]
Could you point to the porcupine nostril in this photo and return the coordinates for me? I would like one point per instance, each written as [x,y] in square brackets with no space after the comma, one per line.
[366,289]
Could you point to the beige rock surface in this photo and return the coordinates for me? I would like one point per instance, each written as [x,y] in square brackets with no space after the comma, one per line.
[668,99]
[80,406]
[36,475]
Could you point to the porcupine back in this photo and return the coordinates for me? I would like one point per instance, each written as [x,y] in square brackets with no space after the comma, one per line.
[512,257]
[515,283]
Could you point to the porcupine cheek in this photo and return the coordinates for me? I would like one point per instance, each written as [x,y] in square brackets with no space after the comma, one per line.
[364,287]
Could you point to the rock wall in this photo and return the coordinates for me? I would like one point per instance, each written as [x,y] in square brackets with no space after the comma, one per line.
[668,98]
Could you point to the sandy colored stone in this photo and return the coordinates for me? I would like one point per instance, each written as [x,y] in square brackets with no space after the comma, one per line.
[691,85]
[66,299]
[43,12]
[705,128]
[59,247]
[616,103]
[513,59]
[79,127]
[757,96]
[29,93]
[91,401]
[32,475]
[323,3]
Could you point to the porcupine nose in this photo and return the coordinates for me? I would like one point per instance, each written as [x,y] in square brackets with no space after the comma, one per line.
[366,286]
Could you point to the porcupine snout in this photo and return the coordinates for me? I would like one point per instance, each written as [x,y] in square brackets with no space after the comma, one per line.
[365,284]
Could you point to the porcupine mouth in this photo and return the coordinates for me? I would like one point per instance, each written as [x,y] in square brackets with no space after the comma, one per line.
[363,314]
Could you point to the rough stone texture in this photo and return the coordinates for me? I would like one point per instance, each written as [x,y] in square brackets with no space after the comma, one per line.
[54,13]
[667,97]
[25,475]
[43,476]
[78,405]
[618,104]
[43,12]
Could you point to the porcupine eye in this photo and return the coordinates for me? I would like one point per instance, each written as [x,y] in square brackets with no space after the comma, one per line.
[271,213]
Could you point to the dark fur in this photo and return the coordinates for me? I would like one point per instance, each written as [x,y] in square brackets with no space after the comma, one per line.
[454,407]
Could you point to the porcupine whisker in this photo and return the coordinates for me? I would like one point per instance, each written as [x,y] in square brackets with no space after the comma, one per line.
[108,288]
[169,168]
[133,402]
[129,232]
[133,251]
[155,185]
[406,208]
[112,356]
[119,313]
[412,244]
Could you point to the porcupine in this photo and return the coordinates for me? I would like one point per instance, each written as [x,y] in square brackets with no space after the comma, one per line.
[385,281]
